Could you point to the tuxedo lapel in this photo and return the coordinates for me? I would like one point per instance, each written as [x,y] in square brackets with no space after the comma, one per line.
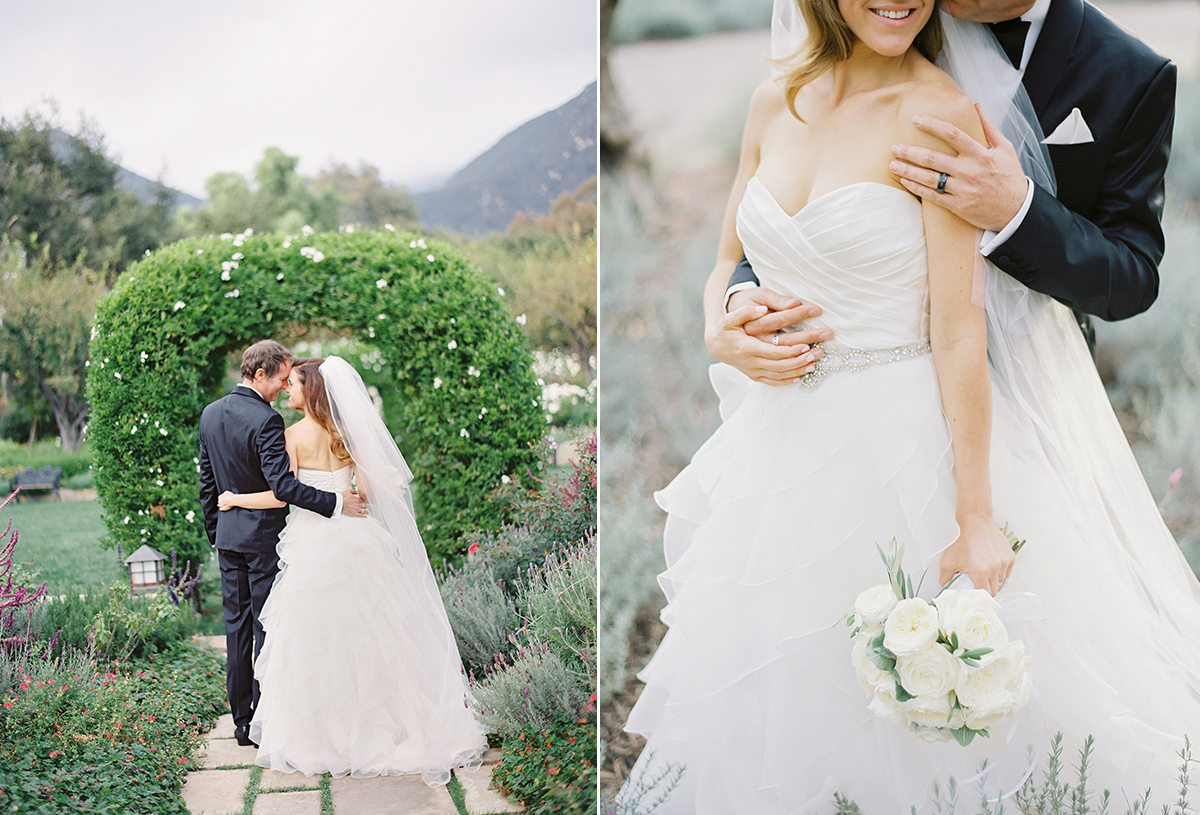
[1048,62]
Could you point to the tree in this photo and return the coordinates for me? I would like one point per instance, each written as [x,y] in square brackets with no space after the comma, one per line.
[59,197]
[45,326]
[366,200]
[278,200]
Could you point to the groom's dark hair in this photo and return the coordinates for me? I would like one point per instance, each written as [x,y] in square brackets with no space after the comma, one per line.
[265,354]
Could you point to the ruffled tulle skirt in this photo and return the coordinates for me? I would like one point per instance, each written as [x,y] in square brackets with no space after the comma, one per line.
[771,535]
[351,682]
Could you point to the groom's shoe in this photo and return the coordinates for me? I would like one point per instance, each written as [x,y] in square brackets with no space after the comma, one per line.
[242,734]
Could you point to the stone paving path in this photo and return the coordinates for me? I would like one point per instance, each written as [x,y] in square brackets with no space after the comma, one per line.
[228,777]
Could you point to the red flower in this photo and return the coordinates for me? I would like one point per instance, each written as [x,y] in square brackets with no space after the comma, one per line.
[473,548]
[8,705]
[552,770]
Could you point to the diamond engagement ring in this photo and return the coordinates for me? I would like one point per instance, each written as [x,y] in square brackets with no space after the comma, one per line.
[775,339]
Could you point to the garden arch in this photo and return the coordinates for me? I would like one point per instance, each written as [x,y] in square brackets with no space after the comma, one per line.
[460,391]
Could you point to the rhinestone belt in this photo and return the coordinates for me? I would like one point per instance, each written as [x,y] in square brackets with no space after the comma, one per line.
[854,359]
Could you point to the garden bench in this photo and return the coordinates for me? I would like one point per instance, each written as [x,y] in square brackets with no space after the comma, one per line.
[47,478]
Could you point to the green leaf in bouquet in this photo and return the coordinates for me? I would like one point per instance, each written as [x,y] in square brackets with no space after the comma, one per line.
[1013,540]
[901,694]
[973,656]
[965,735]
[880,657]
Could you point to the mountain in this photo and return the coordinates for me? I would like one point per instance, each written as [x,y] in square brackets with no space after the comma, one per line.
[525,171]
[142,188]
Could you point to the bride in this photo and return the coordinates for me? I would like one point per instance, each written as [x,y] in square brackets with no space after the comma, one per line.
[953,400]
[359,674]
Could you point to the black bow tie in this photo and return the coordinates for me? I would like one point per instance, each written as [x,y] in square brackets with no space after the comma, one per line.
[1011,35]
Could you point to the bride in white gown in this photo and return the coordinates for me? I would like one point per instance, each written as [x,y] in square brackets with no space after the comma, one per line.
[359,673]
[931,420]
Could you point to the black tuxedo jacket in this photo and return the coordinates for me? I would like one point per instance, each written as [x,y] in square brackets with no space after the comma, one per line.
[242,450]
[1096,247]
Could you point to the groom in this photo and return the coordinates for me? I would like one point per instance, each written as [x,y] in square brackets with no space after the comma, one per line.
[242,450]
[1106,103]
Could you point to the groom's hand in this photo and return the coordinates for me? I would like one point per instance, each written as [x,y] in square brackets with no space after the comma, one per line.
[352,505]
[985,184]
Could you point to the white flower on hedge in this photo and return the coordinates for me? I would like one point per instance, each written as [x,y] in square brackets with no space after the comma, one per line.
[306,230]
[932,671]
[279,276]
[318,257]
[237,256]
[199,251]
[178,305]
[389,227]
[225,276]
[381,317]
[126,520]
[195,460]
[872,606]
[974,615]
[371,331]
[162,431]
[464,433]
[117,374]
[412,244]
[144,356]
[381,283]
[500,290]
[234,293]
[287,242]
[226,236]
[437,382]
[452,344]
[505,479]
[521,320]
[429,258]
[912,625]
[472,370]
[239,240]
[133,430]
[159,482]
[421,243]
[144,532]
[191,516]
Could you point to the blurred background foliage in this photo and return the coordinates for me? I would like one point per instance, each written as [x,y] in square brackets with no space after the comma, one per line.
[676,76]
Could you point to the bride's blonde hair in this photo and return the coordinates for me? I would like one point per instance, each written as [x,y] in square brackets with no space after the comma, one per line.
[317,402]
[830,41]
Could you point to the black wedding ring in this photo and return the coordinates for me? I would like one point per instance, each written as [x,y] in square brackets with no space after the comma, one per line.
[941,187]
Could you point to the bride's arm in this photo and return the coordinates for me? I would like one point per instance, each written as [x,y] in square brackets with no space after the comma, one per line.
[958,336]
[257,500]
[724,334]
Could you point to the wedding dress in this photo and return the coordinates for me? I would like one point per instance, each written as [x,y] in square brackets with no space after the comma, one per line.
[359,673]
[772,533]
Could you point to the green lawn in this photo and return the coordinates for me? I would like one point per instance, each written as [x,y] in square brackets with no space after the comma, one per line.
[60,541]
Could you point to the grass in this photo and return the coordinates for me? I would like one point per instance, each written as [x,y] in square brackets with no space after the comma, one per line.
[60,540]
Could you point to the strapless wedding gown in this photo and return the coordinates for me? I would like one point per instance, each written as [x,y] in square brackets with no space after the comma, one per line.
[772,533]
[348,684]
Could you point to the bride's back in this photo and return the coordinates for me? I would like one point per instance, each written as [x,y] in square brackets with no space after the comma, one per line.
[309,445]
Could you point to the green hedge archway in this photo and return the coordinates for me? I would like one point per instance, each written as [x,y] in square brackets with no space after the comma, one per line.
[465,404]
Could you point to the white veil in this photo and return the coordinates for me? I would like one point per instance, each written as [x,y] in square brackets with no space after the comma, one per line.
[1045,382]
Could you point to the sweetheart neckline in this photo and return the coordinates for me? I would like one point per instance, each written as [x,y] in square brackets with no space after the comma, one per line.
[825,195]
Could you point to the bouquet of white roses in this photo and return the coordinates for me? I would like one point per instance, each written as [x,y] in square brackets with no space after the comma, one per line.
[945,669]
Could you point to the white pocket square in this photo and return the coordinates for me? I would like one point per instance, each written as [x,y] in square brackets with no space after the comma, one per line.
[1073,130]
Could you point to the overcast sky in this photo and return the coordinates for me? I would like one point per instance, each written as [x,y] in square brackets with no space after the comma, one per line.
[183,90]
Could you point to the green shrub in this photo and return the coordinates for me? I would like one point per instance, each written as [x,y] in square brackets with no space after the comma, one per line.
[14,457]
[536,690]
[551,770]
[483,617]
[459,370]
[560,605]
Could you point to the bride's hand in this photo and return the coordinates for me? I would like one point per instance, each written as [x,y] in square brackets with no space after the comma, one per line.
[739,340]
[225,501]
[982,552]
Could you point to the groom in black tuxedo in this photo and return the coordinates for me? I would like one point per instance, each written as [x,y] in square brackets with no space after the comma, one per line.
[1106,104]
[242,450]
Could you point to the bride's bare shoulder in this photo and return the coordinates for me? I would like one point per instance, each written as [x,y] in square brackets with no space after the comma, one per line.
[934,94]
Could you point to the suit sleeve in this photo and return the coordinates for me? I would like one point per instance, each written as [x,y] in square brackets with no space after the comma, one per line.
[742,273]
[208,494]
[1105,264]
[276,468]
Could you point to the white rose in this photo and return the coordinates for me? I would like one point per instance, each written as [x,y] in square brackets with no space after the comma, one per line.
[884,705]
[912,625]
[989,691]
[932,712]
[869,675]
[974,616]
[872,606]
[930,672]
[931,735]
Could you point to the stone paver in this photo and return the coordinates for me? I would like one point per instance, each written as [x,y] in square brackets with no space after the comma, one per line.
[479,798]
[215,792]
[288,803]
[274,780]
[225,753]
[390,795]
